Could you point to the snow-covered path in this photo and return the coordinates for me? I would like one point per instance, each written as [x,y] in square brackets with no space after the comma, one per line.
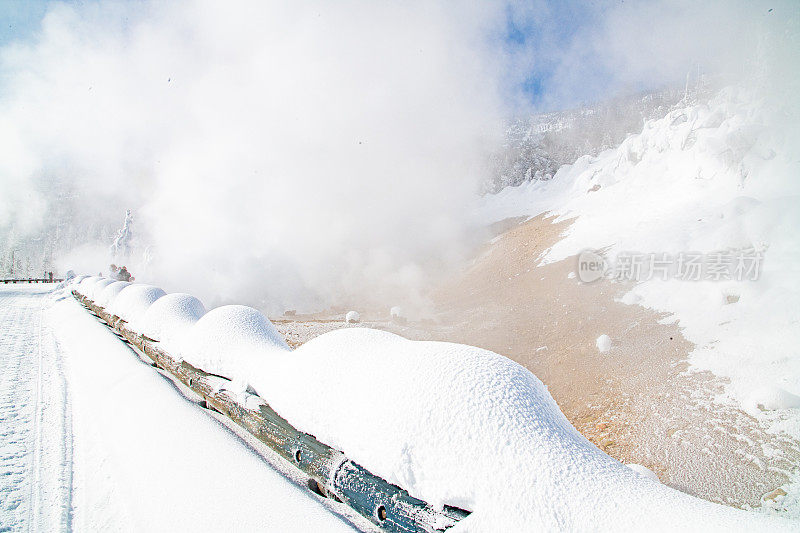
[145,458]
[35,428]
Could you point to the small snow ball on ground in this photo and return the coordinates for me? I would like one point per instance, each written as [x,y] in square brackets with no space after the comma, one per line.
[109,294]
[398,315]
[352,317]
[227,340]
[772,398]
[643,471]
[603,343]
[132,302]
[170,316]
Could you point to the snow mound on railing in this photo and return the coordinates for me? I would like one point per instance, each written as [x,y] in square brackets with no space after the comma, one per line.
[132,302]
[74,282]
[85,284]
[463,426]
[229,340]
[97,288]
[110,293]
[170,317]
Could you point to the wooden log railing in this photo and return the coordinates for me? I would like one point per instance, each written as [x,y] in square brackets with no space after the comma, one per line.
[329,473]
[31,280]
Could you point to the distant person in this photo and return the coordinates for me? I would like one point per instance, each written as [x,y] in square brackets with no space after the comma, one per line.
[123,274]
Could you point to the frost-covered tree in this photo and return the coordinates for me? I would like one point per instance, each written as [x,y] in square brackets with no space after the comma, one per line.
[121,247]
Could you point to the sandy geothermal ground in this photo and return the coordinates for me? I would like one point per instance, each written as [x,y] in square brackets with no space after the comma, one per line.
[638,402]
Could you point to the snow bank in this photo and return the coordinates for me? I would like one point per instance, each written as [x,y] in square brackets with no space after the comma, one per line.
[229,340]
[132,302]
[110,293]
[352,317]
[467,427]
[603,343]
[704,178]
[169,318]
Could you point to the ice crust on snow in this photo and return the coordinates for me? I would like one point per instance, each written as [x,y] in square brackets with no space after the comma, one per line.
[132,302]
[169,318]
[230,339]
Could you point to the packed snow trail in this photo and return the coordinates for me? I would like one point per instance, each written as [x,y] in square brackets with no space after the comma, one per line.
[35,428]
[145,458]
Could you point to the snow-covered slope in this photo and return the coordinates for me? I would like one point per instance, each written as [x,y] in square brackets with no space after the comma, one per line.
[536,146]
[704,179]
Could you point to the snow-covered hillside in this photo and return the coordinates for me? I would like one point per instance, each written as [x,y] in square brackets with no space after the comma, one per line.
[536,147]
[701,210]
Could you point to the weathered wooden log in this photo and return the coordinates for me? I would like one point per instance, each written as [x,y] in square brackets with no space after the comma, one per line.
[330,473]
[31,280]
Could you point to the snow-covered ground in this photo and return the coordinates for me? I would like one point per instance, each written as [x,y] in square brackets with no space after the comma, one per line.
[450,423]
[35,421]
[122,450]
